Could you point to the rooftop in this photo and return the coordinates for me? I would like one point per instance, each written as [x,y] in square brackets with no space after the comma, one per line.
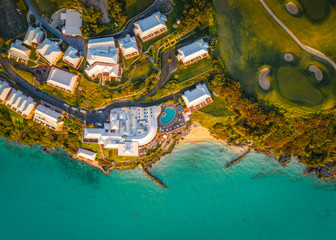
[4,90]
[73,22]
[61,78]
[102,50]
[192,51]
[128,45]
[18,50]
[196,96]
[86,154]
[72,55]
[49,50]
[33,35]
[99,68]
[150,24]
[48,113]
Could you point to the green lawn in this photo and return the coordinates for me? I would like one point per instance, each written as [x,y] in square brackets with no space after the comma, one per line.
[135,7]
[250,38]
[218,108]
[47,7]
[316,10]
[296,87]
[184,73]
[142,72]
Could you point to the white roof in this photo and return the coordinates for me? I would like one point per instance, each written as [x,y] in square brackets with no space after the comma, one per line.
[48,113]
[18,50]
[4,90]
[86,154]
[61,78]
[102,50]
[49,50]
[128,149]
[72,55]
[128,45]
[192,51]
[150,24]
[93,133]
[73,22]
[97,68]
[21,102]
[196,96]
[33,35]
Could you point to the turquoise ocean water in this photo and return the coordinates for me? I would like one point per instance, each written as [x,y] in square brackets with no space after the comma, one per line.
[52,197]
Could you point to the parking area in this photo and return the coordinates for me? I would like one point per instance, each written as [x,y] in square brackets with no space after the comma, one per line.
[11,21]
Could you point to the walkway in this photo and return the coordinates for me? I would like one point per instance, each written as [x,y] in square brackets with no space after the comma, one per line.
[304,47]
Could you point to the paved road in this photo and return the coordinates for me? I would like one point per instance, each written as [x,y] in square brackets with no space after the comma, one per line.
[304,47]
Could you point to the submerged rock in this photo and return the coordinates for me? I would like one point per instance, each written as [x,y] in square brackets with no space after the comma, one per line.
[284,159]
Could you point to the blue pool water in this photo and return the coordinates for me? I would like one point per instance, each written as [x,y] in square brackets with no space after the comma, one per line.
[170,114]
[53,197]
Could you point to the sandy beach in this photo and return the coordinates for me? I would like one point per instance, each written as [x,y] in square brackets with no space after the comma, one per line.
[201,134]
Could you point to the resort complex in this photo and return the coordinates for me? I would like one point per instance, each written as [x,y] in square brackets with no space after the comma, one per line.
[105,90]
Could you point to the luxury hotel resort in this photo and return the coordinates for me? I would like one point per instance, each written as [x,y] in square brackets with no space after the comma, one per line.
[133,129]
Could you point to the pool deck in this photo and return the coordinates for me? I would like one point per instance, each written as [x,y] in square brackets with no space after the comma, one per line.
[174,124]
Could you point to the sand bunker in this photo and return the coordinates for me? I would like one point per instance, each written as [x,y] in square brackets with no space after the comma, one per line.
[292,8]
[264,83]
[289,57]
[317,72]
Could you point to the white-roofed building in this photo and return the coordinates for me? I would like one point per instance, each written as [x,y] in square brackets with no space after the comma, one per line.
[50,51]
[20,103]
[33,37]
[73,57]
[5,90]
[62,79]
[102,50]
[197,98]
[48,117]
[104,71]
[128,128]
[128,149]
[18,51]
[103,58]
[151,26]
[85,154]
[73,22]
[129,46]
[193,52]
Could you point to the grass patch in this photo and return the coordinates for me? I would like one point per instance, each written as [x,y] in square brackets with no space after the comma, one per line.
[218,108]
[316,10]
[184,73]
[295,86]
[142,72]
[46,7]
[137,6]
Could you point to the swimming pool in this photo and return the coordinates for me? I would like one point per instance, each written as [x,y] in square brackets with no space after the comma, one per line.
[168,115]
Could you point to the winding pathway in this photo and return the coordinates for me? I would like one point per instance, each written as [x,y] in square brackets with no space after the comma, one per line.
[292,35]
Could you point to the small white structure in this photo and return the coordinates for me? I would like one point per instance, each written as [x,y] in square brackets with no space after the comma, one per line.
[128,149]
[102,50]
[193,52]
[47,117]
[86,154]
[33,37]
[20,103]
[128,46]
[17,50]
[151,26]
[62,79]
[5,90]
[127,129]
[73,22]
[72,56]
[50,51]
[197,98]
[104,71]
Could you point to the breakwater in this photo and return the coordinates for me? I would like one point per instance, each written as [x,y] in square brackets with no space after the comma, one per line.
[229,164]
[158,181]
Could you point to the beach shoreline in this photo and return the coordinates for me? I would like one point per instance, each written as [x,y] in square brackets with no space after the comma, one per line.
[200,134]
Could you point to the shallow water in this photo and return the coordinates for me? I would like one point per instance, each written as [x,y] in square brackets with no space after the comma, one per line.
[53,197]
